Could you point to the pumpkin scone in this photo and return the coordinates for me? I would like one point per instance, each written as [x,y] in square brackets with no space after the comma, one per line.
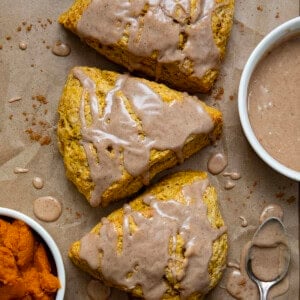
[180,43]
[116,132]
[168,243]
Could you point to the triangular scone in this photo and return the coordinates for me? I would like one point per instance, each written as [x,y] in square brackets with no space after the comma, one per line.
[178,43]
[116,132]
[168,243]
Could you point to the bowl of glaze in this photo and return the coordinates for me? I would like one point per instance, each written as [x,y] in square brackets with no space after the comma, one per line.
[281,34]
[48,241]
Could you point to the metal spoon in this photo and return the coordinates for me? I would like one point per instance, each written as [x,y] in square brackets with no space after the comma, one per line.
[264,286]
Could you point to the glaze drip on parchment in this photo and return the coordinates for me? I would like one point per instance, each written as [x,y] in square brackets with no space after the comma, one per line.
[174,30]
[61,49]
[217,163]
[116,140]
[38,182]
[47,208]
[233,175]
[148,246]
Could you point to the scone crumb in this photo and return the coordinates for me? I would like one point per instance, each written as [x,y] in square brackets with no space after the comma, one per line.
[78,215]
[242,282]
[33,135]
[39,129]
[38,137]
[218,93]
[40,98]
[291,199]
[45,140]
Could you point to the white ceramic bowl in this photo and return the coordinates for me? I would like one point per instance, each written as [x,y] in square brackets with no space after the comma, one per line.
[274,38]
[6,212]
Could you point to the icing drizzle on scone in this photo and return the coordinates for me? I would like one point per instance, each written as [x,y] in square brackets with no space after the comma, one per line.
[174,239]
[119,136]
[167,29]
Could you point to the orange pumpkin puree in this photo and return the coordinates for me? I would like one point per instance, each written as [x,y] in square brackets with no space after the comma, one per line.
[25,270]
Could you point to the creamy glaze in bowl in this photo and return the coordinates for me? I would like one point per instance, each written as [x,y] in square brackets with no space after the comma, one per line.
[275,38]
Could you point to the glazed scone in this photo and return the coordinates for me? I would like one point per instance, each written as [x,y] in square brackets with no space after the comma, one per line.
[116,132]
[178,43]
[168,243]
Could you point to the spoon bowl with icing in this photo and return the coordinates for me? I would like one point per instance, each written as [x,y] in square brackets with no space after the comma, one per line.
[268,258]
[268,99]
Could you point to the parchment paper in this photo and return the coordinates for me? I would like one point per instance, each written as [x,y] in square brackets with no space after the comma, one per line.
[36,71]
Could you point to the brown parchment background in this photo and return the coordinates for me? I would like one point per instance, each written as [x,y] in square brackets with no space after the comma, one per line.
[259,184]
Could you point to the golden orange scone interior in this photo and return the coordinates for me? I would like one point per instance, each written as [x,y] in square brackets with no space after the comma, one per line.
[169,188]
[177,74]
[69,135]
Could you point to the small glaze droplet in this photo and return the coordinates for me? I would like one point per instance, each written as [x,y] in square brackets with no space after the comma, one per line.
[47,208]
[217,163]
[38,182]
[233,265]
[244,221]
[233,175]
[98,291]
[229,185]
[18,170]
[23,46]
[14,99]
[61,49]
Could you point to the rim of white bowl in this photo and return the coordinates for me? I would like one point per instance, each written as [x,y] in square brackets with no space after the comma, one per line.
[268,42]
[11,213]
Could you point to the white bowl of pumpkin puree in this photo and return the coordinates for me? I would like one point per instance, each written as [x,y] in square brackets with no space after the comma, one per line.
[31,266]
[269,99]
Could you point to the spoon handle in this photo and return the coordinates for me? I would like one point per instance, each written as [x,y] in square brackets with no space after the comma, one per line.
[264,288]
